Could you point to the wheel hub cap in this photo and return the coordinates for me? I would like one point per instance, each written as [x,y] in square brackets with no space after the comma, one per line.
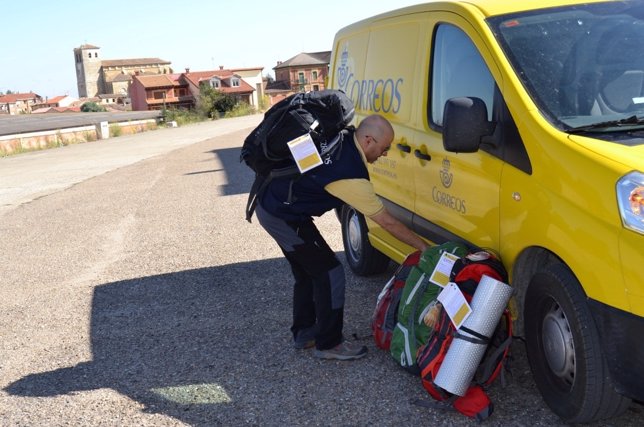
[558,344]
[354,236]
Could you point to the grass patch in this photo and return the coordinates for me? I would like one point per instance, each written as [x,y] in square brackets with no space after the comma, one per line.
[89,136]
[115,130]
[183,117]
[240,109]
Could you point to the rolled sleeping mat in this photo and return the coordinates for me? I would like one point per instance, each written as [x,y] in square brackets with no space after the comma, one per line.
[466,350]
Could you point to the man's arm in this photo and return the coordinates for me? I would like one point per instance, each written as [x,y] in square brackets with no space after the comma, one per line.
[359,193]
[398,230]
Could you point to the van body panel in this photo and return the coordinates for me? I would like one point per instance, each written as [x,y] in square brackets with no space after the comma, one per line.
[630,254]
[628,152]
[565,211]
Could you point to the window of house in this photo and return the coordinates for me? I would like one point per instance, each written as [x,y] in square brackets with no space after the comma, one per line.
[316,88]
[95,54]
[158,94]
[215,83]
[234,82]
[89,55]
[314,75]
[300,77]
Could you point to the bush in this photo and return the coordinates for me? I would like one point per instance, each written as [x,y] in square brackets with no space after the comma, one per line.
[213,103]
[92,107]
[183,117]
[240,109]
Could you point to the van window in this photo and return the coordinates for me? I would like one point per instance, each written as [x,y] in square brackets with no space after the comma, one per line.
[458,70]
[583,65]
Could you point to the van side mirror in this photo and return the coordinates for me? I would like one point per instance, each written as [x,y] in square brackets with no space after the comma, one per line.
[465,124]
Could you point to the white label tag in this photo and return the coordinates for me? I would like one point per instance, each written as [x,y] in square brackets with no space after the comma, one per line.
[455,304]
[638,100]
[440,275]
[305,153]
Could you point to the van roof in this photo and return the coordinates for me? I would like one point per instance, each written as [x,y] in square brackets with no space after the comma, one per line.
[486,7]
[495,7]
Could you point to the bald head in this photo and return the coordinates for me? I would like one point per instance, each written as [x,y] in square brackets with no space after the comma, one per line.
[376,126]
[375,135]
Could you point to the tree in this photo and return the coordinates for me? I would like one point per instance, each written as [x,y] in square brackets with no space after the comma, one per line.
[213,102]
[92,107]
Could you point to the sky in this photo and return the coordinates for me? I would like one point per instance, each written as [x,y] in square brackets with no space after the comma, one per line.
[39,36]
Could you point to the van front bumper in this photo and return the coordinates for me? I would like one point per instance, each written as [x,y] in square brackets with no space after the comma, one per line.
[622,336]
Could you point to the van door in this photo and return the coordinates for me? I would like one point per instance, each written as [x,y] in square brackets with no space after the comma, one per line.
[393,67]
[456,194]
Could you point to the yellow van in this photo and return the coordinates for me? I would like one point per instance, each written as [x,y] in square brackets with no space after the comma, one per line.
[519,128]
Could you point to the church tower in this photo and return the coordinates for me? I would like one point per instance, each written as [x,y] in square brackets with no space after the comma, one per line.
[88,70]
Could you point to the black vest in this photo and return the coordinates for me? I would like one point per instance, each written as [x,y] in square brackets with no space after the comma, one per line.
[306,192]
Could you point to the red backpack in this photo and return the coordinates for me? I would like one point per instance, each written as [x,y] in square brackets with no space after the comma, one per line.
[385,316]
[466,273]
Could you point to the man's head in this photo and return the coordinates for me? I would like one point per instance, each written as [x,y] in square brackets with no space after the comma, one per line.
[375,135]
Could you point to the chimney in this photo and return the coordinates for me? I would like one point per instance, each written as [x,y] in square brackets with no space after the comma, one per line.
[187,70]
[221,67]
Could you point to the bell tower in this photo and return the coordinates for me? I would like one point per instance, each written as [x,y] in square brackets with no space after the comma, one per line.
[88,70]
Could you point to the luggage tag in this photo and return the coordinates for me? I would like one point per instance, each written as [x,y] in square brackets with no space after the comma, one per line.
[305,153]
[455,304]
[440,275]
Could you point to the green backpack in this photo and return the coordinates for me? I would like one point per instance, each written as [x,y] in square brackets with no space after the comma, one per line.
[417,297]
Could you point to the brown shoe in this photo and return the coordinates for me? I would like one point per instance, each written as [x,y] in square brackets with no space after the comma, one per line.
[343,351]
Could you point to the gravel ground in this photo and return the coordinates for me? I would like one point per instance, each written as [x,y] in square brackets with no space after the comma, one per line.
[142,297]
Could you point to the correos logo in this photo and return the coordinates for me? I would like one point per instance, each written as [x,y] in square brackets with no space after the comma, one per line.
[379,96]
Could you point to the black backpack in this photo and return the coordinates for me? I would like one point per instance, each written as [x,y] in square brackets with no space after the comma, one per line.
[323,114]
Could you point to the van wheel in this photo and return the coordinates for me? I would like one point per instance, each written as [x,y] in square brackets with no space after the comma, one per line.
[564,350]
[363,259]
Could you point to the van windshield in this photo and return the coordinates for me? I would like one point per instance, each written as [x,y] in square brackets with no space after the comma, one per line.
[583,65]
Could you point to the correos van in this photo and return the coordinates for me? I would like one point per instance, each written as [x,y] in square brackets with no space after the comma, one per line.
[519,128]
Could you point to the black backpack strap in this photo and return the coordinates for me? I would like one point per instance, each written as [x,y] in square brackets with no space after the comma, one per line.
[305,125]
[478,337]
[489,364]
[290,199]
[260,184]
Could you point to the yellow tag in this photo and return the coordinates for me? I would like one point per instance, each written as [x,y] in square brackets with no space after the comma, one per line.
[440,275]
[455,304]
[305,153]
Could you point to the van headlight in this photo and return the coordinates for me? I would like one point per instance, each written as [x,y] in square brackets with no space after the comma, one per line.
[630,197]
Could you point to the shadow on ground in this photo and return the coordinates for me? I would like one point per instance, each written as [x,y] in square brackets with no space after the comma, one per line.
[205,346]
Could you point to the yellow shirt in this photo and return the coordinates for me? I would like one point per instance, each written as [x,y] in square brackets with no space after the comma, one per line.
[357,192]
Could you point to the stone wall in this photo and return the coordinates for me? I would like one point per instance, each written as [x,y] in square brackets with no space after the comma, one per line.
[13,144]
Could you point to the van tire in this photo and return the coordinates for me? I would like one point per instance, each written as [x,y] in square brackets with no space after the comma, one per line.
[572,375]
[363,259]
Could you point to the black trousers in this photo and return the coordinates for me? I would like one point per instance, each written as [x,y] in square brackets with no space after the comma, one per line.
[319,288]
